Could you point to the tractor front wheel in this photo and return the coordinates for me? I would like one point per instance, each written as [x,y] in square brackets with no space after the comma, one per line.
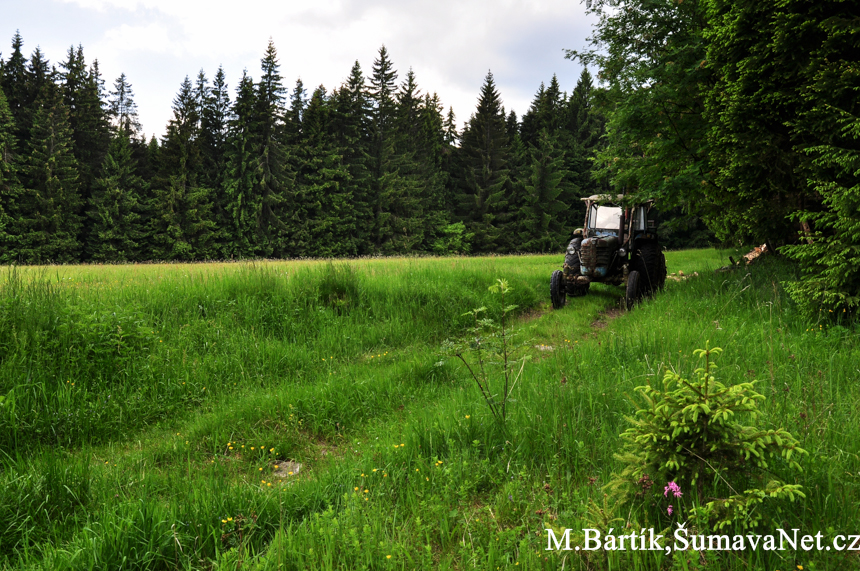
[572,271]
[556,290]
[633,293]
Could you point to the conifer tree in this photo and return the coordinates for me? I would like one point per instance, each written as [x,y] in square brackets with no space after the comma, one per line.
[240,177]
[432,158]
[10,189]
[396,196]
[88,120]
[214,118]
[182,225]
[273,179]
[48,222]
[484,174]
[293,115]
[14,84]
[323,191]
[452,136]
[122,109]
[544,216]
[582,132]
[350,122]
[117,227]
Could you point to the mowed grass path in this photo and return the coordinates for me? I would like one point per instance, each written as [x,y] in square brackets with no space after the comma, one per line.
[148,408]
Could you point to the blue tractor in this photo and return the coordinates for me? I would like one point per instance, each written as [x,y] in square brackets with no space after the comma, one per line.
[618,245]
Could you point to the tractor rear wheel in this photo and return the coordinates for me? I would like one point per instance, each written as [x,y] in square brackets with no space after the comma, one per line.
[650,262]
[633,292]
[557,290]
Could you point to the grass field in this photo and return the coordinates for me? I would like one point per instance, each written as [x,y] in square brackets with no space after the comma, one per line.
[303,415]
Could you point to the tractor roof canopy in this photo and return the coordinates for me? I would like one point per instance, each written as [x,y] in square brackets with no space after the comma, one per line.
[612,199]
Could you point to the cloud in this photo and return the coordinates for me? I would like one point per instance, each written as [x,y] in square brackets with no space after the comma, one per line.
[149,38]
[450,44]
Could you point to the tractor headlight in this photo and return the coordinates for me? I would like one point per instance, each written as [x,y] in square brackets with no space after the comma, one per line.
[622,252]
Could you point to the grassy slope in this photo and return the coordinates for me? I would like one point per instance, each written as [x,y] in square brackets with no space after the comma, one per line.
[131,465]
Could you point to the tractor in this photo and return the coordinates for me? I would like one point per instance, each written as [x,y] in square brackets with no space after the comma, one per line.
[618,245]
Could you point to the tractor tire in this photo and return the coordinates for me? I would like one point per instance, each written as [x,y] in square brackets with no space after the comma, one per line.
[572,267]
[557,290]
[633,292]
[650,262]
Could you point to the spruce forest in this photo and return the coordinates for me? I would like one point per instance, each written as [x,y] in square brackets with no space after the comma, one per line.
[373,167]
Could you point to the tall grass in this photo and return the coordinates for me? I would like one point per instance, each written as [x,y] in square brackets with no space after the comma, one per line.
[338,368]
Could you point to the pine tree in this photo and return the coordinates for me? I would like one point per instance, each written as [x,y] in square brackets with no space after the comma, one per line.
[432,157]
[395,189]
[582,135]
[88,120]
[544,216]
[350,125]
[240,176]
[117,227]
[293,116]
[10,189]
[452,136]
[182,225]
[214,118]
[14,84]
[323,188]
[483,173]
[47,219]
[39,76]
[273,179]
[122,109]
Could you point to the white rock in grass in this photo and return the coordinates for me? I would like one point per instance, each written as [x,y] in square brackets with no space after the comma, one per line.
[287,468]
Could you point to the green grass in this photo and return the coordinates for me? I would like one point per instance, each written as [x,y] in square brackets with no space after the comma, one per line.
[128,386]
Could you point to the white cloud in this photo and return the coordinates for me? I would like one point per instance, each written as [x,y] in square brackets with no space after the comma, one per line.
[449,43]
[149,38]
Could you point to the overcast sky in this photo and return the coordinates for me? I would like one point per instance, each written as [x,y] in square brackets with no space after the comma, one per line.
[449,44]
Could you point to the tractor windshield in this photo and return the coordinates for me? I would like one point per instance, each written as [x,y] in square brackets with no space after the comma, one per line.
[607,218]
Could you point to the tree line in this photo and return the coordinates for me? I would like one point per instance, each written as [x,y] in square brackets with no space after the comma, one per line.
[744,114]
[372,167]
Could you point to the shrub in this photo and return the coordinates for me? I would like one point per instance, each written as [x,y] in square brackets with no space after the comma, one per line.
[692,432]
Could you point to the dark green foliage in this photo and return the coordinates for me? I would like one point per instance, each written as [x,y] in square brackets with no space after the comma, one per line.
[47,214]
[545,215]
[214,118]
[88,120]
[240,177]
[483,177]
[830,257]
[14,84]
[350,125]
[181,224]
[86,115]
[580,136]
[785,135]
[122,109]
[116,225]
[10,188]
[651,56]
[273,179]
[322,219]
[396,189]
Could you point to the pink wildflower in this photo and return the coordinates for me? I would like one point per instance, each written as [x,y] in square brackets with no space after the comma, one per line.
[670,509]
[674,488]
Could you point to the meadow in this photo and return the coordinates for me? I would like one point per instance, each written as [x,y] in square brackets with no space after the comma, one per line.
[306,415]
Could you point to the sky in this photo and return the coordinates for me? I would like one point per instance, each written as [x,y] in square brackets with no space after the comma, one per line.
[449,44]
